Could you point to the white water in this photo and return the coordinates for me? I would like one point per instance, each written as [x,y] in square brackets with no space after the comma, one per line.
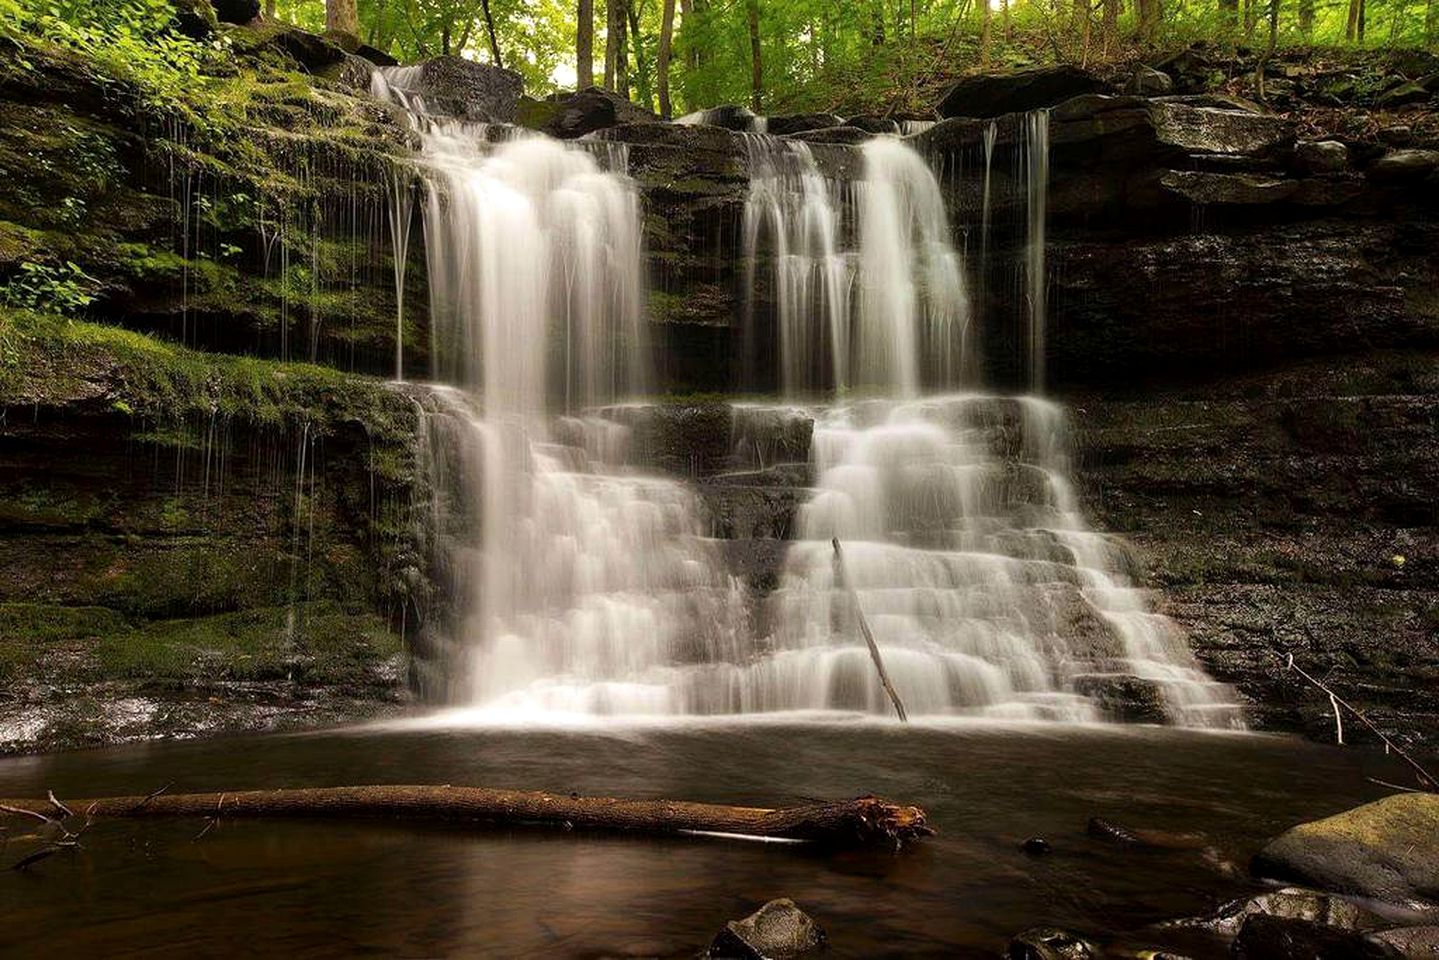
[581,587]
[985,589]
[868,290]
[575,582]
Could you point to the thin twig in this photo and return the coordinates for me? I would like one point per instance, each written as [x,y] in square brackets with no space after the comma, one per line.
[144,803]
[60,808]
[25,813]
[843,583]
[1426,779]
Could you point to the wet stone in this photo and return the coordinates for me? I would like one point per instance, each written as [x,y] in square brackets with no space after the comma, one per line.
[778,930]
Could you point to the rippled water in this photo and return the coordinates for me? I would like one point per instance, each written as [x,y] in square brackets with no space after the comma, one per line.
[415,890]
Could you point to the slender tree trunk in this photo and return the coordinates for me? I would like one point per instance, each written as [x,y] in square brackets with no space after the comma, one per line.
[1008,24]
[622,53]
[1111,25]
[1431,22]
[269,9]
[1273,25]
[986,26]
[490,29]
[612,40]
[585,45]
[641,75]
[1351,26]
[1306,18]
[342,18]
[662,68]
[756,63]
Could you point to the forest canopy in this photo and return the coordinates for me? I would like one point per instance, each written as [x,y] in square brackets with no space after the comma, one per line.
[812,54]
[674,56]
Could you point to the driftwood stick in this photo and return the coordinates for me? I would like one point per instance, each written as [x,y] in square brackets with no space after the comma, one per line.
[843,583]
[844,822]
[1426,779]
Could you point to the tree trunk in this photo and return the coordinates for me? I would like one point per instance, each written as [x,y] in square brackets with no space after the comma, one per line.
[585,44]
[662,68]
[1306,18]
[611,43]
[1111,25]
[641,75]
[490,29]
[756,63]
[846,822]
[622,53]
[342,18]
[1351,25]
[1273,25]
[269,9]
[986,26]
[1431,22]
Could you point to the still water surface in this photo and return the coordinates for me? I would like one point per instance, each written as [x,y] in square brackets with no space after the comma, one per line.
[286,888]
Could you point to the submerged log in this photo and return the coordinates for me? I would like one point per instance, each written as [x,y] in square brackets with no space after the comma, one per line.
[844,822]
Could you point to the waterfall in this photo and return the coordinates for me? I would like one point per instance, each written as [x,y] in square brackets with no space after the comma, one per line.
[869,293]
[576,583]
[402,209]
[984,588]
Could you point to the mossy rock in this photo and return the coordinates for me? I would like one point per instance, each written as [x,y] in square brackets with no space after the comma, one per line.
[1387,850]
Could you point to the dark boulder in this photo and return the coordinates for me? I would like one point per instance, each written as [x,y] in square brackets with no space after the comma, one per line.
[779,930]
[1278,938]
[1203,188]
[993,95]
[1192,70]
[236,11]
[1387,850]
[1291,903]
[1411,943]
[841,135]
[585,111]
[1123,697]
[310,51]
[456,87]
[1149,82]
[1050,943]
[1403,95]
[800,122]
[872,124]
[1036,847]
[1321,156]
[378,57]
[195,19]
[730,116]
[1404,166]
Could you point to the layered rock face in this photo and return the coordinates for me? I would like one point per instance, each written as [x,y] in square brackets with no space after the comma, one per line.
[1244,315]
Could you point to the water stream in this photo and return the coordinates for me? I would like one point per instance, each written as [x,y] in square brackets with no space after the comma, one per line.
[580,585]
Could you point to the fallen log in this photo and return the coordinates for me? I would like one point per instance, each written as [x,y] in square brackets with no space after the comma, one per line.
[845,822]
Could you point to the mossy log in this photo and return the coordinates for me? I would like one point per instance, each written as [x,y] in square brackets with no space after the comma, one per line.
[842,823]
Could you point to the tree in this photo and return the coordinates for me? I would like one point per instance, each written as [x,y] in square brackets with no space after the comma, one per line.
[662,68]
[756,63]
[490,28]
[585,45]
[341,17]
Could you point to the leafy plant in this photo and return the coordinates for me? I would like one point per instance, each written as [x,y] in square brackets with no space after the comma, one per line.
[65,289]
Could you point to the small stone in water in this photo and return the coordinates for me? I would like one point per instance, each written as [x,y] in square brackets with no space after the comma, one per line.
[1036,847]
[1050,943]
[778,930]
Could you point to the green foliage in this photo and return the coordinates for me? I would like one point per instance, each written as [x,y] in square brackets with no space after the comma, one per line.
[131,44]
[63,289]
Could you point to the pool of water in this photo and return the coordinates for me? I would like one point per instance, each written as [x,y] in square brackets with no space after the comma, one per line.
[350,888]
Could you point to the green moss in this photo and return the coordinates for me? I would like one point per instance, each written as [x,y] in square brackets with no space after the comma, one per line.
[315,643]
[30,631]
[54,361]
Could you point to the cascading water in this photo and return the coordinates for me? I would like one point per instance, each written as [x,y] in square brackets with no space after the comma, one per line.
[581,586]
[868,293]
[964,540]
[576,584]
